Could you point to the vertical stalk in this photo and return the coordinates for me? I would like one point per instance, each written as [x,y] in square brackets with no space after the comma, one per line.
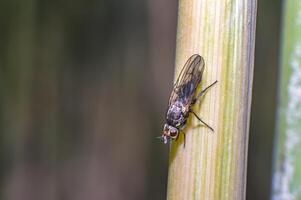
[287,172]
[213,164]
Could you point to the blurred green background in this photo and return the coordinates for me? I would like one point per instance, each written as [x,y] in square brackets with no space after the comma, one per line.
[83,92]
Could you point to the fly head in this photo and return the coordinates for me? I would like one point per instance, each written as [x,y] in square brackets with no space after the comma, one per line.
[169,132]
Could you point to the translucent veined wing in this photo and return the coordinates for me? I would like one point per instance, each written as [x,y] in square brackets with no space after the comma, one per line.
[188,80]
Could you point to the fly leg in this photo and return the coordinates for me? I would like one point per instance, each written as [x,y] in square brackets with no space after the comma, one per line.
[201,120]
[203,91]
[194,101]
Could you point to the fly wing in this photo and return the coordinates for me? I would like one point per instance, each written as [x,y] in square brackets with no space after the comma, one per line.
[188,80]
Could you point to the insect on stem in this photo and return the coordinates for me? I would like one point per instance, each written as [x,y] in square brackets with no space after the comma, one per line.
[182,98]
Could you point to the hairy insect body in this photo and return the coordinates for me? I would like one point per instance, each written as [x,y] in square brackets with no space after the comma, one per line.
[176,118]
[176,115]
[178,111]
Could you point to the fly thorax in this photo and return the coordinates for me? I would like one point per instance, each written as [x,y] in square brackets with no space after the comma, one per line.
[174,115]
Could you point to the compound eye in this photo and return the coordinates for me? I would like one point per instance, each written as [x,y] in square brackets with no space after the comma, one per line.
[173,133]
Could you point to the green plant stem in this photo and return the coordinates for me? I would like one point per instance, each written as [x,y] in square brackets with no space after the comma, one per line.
[213,164]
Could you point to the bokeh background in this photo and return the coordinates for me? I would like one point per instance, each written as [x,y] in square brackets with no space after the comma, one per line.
[83,92]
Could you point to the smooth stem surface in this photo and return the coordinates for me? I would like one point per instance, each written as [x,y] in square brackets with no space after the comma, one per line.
[287,172]
[213,164]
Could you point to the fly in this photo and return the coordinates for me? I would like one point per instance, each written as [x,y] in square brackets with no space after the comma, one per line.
[183,97]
